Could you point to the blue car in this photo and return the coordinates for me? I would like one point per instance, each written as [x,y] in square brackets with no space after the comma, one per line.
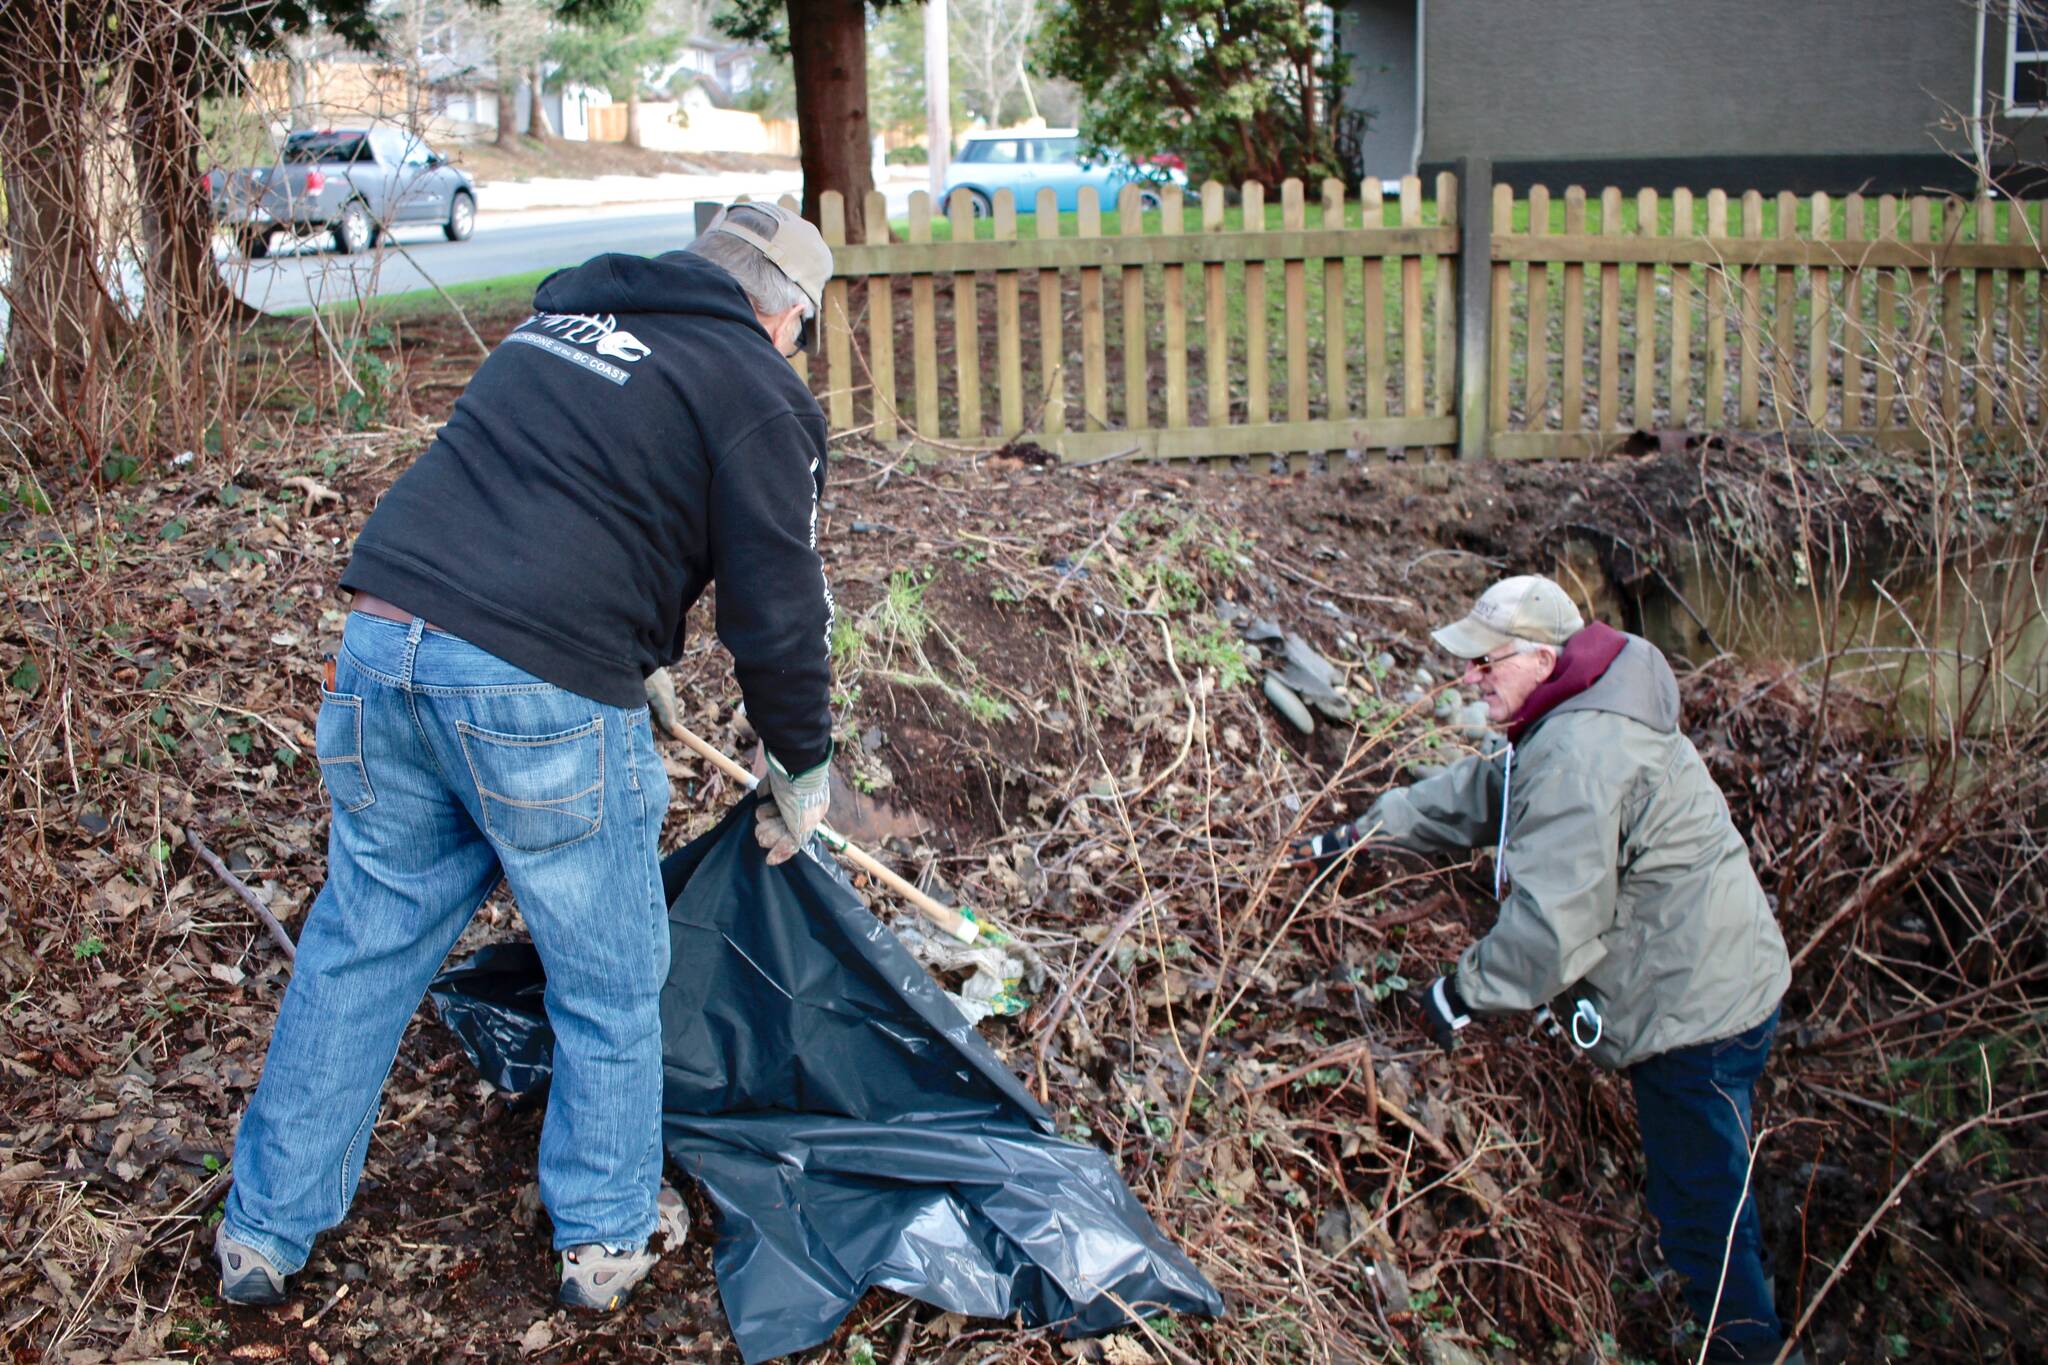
[1025,163]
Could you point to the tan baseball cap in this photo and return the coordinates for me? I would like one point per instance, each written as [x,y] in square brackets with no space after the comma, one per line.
[797,249]
[1528,607]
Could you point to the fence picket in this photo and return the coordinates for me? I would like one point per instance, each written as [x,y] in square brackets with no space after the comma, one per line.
[1175,309]
[1920,317]
[1644,402]
[1094,361]
[967,321]
[1718,291]
[2015,322]
[924,342]
[1215,318]
[1536,357]
[1503,318]
[1751,327]
[1608,411]
[1681,315]
[881,327]
[1255,409]
[1009,327]
[1854,339]
[1444,366]
[2039,300]
[1294,218]
[1820,295]
[1052,333]
[1948,285]
[1885,345]
[1137,383]
[838,336]
[1571,386]
[1373,206]
[1983,379]
[1336,383]
[1412,341]
[1784,313]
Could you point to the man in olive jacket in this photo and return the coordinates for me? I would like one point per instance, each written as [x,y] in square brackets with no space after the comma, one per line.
[1627,898]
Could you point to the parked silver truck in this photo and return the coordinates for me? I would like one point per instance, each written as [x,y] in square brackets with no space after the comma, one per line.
[350,182]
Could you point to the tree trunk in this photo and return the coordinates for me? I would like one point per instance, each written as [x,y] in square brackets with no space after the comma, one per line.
[61,319]
[537,127]
[296,95]
[508,96]
[829,53]
[633,117]
[182,286]
[938,97]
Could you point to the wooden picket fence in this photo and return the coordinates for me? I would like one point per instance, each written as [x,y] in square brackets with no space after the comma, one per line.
[1162,335]
[1876,320]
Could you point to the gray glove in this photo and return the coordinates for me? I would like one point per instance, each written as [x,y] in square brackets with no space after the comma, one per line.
[798,808]
[661,700]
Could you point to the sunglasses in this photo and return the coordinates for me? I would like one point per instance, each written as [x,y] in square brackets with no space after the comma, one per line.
[1488,663]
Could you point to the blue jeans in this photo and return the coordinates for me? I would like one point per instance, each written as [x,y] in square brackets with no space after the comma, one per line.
[445,767]
[1693,1111]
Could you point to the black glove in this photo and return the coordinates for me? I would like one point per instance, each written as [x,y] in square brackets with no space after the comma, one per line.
[1443,1012]
[1325,848]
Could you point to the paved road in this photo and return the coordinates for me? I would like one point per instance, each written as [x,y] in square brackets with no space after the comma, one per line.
[421,256]
[503,244]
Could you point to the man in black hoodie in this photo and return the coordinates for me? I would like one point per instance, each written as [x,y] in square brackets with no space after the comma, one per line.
[639,436]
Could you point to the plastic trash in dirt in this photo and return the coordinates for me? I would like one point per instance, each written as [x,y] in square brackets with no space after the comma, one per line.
[1299,682]
[841,1113]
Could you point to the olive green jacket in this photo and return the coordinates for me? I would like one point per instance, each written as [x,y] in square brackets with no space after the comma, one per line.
[1624,880]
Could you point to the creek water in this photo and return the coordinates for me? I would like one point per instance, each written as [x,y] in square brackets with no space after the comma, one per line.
[1968,639]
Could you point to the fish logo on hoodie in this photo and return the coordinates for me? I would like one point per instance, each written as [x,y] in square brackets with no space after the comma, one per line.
[566,334]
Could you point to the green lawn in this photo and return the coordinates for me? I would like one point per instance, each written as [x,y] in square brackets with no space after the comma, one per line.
[505,291]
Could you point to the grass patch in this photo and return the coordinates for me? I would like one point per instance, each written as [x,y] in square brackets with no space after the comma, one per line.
[501,293]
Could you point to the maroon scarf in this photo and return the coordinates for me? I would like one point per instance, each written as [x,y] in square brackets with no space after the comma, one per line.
[1585,660]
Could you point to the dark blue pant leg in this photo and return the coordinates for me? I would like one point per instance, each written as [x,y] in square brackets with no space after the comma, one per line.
[1693,1111]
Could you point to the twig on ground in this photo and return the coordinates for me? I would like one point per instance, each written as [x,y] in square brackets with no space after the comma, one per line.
[241,888]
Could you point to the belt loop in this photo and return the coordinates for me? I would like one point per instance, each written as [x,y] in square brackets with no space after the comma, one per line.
[412,648]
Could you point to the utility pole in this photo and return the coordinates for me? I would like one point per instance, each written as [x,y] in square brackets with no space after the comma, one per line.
[938,96]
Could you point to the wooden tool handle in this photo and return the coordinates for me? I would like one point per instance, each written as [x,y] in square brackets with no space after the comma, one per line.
[962,926]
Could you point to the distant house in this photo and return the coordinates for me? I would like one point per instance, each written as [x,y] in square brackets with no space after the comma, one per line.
[1835,95]
[724,68]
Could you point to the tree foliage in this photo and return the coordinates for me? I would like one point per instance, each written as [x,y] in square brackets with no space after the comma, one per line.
[611,52]
[1244,89]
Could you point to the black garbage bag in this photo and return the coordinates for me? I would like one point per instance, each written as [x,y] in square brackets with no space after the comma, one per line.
[851,1128]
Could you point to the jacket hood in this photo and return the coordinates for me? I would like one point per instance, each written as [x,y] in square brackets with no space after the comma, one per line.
[1638,684]
[677,282]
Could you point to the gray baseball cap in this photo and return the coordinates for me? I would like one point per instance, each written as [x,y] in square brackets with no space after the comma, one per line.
[796,248]
[1528,607]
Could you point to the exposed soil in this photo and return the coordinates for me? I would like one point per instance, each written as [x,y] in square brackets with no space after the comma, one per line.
[1029,664]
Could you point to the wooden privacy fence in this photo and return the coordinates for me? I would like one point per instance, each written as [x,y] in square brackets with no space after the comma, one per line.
[1196,331]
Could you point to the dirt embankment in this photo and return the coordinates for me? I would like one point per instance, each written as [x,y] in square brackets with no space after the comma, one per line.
[1031,664]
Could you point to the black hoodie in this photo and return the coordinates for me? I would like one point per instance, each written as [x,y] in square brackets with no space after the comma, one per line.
[636,438]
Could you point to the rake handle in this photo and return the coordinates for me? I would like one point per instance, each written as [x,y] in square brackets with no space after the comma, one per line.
[960,926]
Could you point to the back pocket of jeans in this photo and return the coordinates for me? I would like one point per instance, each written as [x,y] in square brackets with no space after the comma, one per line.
[538,792]
[338,743]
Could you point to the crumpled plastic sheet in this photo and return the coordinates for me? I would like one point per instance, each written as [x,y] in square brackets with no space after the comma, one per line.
[848,1123]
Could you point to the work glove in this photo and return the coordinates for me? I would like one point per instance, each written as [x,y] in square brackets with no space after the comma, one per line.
[1325,848]
[1443,1012]
[798,807]
[661,701]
